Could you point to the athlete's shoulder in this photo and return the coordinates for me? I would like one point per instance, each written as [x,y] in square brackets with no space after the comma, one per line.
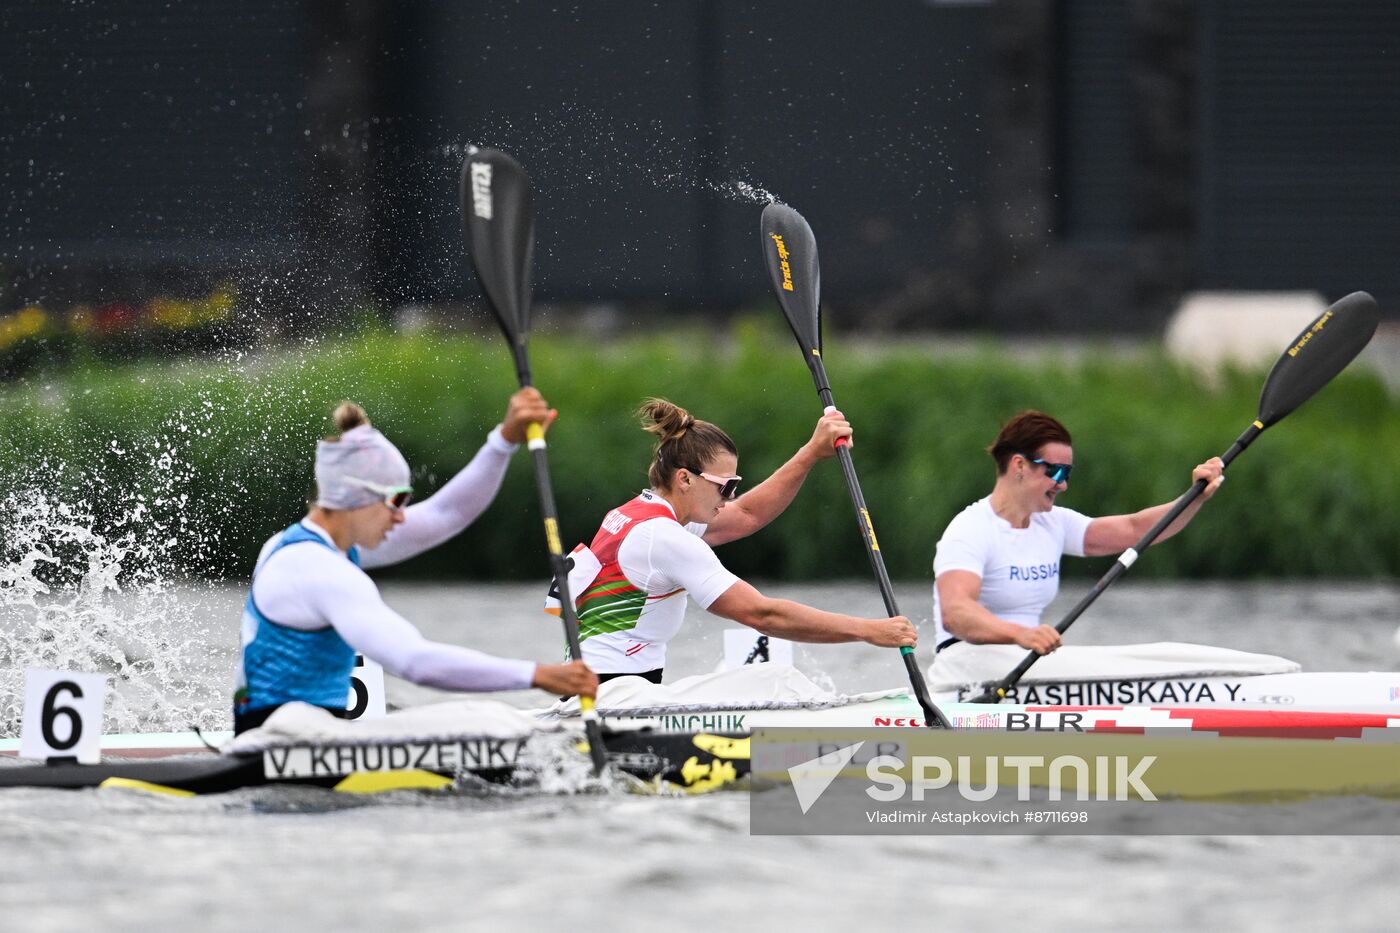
[305,552]
[976,518]
[667,544]
[660,531]
[1060,516]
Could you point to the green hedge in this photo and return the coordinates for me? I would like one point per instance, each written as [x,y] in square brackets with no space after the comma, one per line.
[1313,496]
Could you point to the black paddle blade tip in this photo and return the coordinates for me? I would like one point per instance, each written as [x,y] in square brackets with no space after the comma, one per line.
[1322,350]
[498,223]
[790,254]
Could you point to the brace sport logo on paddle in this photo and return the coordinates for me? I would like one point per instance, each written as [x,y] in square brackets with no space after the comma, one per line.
[783,255]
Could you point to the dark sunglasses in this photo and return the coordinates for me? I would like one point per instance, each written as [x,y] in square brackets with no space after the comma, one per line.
[728,485]
[1055,472]
[399,499]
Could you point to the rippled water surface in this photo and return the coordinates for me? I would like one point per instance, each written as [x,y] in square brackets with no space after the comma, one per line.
[280,859]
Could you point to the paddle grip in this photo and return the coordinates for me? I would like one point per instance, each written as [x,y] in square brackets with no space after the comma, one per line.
[840,441]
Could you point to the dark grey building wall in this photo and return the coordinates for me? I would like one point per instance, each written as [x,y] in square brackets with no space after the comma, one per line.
[1011,165]
[136,133]
[1300,146]
[642,125]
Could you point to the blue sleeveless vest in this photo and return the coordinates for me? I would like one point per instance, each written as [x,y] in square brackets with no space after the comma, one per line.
[282,664]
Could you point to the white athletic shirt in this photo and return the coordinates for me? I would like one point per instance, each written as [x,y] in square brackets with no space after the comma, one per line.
[661,558]
[309,587]
[1019,567]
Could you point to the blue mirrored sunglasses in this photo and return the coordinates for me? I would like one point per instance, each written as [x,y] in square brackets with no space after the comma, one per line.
[1056,472]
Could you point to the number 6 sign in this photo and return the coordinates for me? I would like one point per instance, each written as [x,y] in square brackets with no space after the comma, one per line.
[62,716]
[366,699]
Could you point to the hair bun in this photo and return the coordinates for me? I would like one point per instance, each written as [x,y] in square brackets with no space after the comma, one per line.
[666,420]
[348,416]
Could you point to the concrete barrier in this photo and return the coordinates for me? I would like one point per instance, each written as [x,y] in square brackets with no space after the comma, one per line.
[1211,329]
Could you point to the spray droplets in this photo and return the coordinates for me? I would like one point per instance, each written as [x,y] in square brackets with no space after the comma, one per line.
[73,597]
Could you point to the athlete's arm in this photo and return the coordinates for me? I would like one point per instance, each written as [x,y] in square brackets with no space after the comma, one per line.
[461,501]
[307,586]
[378,632]
[969,620]
[1112,534]
[783,618]
[357,612]
[767,500]
[661,555]
[447,512]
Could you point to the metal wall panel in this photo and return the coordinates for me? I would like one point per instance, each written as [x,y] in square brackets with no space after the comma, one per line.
[642,127]
[1301,146]
[130,131]
[1095,123]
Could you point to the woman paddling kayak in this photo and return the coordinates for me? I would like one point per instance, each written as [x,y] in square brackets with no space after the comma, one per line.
[312,607]
[997,565]
[629,584]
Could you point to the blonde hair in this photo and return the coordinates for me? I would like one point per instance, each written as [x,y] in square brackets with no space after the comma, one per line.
[683,441]
[347,416]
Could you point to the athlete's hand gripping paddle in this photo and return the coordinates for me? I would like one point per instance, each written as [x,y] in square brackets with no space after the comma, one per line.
[498,221]
[1312,360]
[790,251]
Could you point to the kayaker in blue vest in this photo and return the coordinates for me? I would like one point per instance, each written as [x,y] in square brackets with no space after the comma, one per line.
[311,607]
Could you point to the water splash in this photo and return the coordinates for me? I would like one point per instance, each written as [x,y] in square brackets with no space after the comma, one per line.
[82,594]
[736,189]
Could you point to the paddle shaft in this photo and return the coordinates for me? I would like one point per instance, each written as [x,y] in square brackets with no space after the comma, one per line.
[535,441]
[997,692]
[933,717]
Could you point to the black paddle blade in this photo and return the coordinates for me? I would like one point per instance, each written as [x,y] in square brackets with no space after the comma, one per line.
[790,250]
[498,221]
[1318,354]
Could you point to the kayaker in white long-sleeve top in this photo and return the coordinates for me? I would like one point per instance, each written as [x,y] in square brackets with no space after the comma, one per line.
[312,607]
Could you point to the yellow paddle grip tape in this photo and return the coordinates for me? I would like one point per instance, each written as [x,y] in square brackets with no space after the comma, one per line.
[870,529]
[133,784]
[816,352]
[586,704]
[534,432]
[551,533]
[1259,425]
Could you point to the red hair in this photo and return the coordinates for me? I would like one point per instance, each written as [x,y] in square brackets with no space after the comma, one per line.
[1025,434]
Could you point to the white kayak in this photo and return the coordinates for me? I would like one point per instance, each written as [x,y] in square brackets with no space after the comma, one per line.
[737,701]
[1157,674]
[693,735]
[1166,684]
